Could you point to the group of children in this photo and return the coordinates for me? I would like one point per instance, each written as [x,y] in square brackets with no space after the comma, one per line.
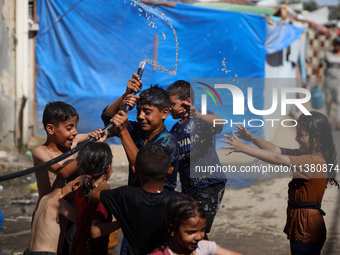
[154,218]
[78,185]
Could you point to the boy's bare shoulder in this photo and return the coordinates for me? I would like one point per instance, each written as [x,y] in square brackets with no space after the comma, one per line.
[38,151]
[41,154]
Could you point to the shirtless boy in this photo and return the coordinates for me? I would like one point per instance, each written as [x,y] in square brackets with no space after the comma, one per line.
[60,122]
[46,228]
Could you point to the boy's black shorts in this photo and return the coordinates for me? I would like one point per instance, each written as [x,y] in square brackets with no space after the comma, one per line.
[210,199]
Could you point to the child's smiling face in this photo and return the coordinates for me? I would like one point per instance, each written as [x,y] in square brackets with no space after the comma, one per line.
[65,132]
[189,233]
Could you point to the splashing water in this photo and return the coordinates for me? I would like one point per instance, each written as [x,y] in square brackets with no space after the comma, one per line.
[224,69]
[152,61]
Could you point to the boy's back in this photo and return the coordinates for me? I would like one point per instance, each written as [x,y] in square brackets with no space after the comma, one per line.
[140,210]
[140,215]
[45,226]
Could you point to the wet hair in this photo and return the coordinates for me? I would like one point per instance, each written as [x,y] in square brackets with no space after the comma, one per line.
[93,160]
[320,138]
[152,163]
[178,210]
[56,112]
[182,89]
[336,40]
[154,96]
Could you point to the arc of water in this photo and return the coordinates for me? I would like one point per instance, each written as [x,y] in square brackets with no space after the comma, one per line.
[152,61]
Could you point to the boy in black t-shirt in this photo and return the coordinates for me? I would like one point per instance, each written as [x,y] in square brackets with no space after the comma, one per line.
[140,210]
[152,109]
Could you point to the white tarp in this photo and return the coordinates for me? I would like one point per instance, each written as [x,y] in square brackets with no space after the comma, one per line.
[268,3]
[319,16]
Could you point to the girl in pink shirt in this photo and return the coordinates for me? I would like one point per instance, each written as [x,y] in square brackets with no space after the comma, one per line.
[185,223]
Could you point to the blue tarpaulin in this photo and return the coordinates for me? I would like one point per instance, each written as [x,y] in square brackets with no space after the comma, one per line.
[87,50]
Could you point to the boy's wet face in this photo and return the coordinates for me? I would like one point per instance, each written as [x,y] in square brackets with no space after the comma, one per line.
[176,110]
[65,132]
[150,118]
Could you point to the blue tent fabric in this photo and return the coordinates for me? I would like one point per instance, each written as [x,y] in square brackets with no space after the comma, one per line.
[88,49]
[280,35]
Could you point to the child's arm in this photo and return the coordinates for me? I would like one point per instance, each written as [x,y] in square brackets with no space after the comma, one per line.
[98,228]
[244,134]
[83,137]
[95,193]
[69,167]
[236,145]
[66,210]
[120,120]
[194,113]
[65,170]
[222,251]
[134,85]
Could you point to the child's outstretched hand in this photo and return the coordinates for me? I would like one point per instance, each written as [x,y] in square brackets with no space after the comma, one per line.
[243,133]
[97,134]
[134,85]
[235,143]
[120,120]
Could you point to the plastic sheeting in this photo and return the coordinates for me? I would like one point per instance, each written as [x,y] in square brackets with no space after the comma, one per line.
[88,49]
[280,35]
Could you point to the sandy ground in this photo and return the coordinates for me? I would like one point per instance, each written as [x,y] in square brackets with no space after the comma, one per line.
[250,219]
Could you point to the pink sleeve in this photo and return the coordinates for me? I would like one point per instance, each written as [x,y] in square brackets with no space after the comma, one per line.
[206,247]
[100,213]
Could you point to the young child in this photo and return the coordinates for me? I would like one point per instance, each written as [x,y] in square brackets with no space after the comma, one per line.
[60,122]
[92,233]
[45,227]
[200,151]
[185,222]
[305,227]
[152,109]
[140,210]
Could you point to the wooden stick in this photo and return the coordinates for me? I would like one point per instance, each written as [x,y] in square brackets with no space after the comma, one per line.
[155,50]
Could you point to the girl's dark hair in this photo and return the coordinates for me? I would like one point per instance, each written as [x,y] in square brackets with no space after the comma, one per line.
[93,160]
[320,138]
[179,209]
[56,112]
